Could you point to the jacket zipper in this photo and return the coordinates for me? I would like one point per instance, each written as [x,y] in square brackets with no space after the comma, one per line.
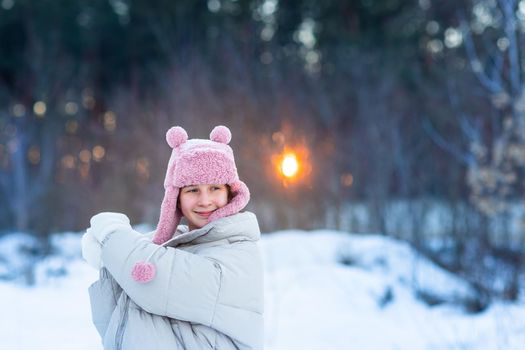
[119,335]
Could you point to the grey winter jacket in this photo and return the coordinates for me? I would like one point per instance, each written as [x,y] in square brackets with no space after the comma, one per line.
[207,293]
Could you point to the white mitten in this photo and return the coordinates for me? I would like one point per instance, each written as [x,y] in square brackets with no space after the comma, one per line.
[103,224]
[92,250]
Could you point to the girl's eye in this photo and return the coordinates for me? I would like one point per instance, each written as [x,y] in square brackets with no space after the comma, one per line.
[192,190]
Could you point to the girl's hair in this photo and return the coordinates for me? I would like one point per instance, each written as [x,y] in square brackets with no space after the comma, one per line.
[230,193]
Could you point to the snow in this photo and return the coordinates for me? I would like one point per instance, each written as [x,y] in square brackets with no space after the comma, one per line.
[313,299]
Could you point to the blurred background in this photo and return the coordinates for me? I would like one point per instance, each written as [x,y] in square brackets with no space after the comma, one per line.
[400,118]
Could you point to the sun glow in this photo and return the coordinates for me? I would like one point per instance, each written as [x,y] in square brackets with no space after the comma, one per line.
[289,165]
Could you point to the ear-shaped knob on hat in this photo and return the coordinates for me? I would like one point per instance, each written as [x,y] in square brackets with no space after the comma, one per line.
[176,136]
[221,134]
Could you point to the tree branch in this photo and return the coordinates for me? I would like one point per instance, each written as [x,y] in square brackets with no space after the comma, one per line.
[507,8]
[439,140]
[475,63]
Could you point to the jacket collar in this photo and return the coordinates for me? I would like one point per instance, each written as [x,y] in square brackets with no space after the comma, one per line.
[238,227]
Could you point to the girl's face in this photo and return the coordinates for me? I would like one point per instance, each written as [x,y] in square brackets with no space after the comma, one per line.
[198,202]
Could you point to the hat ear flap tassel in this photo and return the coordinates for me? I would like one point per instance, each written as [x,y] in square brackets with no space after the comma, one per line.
[143,272]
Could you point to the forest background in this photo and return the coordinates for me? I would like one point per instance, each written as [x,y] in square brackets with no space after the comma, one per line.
[407,117]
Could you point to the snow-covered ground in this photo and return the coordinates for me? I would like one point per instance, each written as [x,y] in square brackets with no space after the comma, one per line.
[313,300]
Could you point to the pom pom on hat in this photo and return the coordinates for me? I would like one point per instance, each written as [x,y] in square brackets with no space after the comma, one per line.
[143,272]
[176,136]
[221,134]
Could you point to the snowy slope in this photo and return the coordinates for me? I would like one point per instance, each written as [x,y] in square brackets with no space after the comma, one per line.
[313,301]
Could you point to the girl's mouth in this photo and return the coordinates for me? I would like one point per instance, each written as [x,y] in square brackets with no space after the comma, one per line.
[204,214]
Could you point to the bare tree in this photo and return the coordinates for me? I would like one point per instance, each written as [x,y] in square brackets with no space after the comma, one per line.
[494,47]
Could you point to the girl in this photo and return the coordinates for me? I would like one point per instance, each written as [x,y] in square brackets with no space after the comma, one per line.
[182,287]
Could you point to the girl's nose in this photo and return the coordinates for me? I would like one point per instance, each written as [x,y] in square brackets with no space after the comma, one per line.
[204,198]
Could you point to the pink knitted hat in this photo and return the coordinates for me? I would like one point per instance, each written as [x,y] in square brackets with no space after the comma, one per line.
[196,162]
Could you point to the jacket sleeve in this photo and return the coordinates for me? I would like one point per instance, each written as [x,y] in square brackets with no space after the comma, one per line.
[185,287]
[103,296]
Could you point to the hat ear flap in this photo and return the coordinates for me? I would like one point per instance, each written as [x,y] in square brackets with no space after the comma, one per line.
[176,136]
[241,197]
[170,216]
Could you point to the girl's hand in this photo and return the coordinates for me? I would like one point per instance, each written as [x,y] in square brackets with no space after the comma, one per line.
[103,224]
[92,250]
